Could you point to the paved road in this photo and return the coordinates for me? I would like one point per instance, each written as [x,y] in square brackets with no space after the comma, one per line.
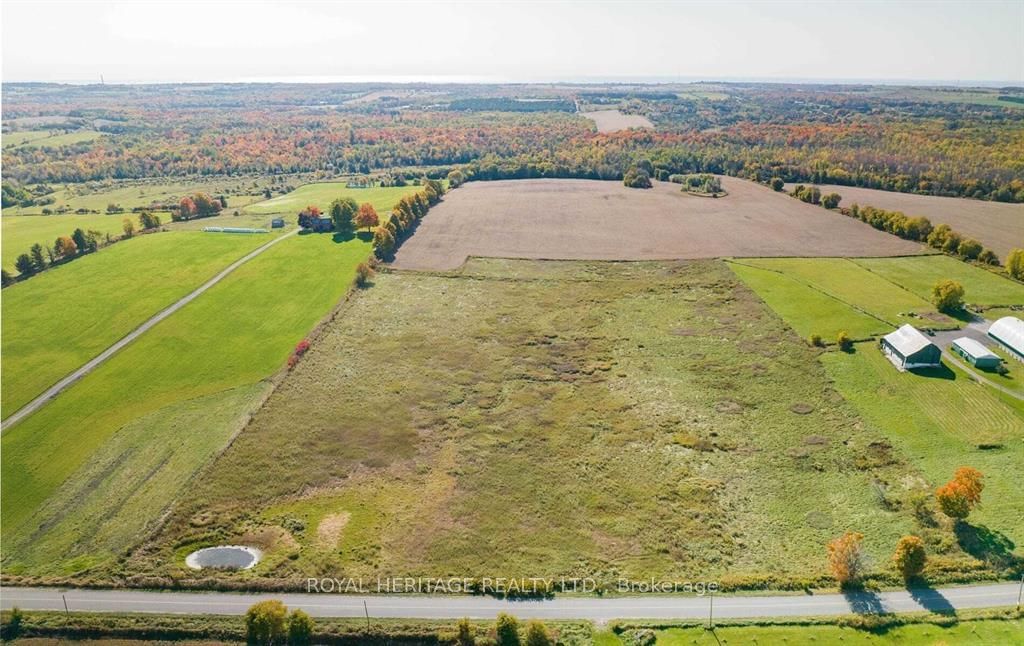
[64,383]
[448,607]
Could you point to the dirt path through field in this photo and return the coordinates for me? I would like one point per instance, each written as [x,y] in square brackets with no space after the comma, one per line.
[91,365]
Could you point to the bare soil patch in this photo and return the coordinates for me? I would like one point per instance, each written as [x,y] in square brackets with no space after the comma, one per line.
[328,532]
[997,225]
[613,120]
[596,220]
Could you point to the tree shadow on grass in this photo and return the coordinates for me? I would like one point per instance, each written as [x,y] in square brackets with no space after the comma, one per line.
[942,371]
[339,237]
[365,236]
[987,545]
[864,602]
[930,599]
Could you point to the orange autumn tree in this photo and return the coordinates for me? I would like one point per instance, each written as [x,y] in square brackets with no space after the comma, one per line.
[910,557]
[962,494]
[846,558]
[366,217]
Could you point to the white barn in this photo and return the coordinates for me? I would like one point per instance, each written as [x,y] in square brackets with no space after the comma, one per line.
[1009,332]
[907,348]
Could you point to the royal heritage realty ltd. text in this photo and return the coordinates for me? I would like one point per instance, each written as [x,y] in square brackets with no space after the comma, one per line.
[503,586]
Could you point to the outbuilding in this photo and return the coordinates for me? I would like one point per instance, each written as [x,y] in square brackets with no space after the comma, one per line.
[907,348]
[277,223]
[1009,333]
[975,353]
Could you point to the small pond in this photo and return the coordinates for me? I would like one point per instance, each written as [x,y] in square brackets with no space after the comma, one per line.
[233,557]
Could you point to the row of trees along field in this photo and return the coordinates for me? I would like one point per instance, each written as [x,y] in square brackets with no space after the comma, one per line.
[955,500]
[269,622]
[67,248]
[933,149]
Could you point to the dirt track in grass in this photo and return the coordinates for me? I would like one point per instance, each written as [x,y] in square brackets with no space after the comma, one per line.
[995,224]
[596,220]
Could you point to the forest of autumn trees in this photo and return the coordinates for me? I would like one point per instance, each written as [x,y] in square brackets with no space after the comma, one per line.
[798,136]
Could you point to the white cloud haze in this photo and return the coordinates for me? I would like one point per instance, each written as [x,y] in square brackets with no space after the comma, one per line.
[229,41]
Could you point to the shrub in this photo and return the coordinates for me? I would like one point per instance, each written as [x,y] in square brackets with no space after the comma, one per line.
[507,630]
[815,340]
[988,257]
[948,296]
[465,635]
[846,558]
[844,341]
[300,628]
[265,622]
[1015,264]
[910,556]
[777,184]
[969,249]
[537,634]
[637,178]
[364,273]
[831,200]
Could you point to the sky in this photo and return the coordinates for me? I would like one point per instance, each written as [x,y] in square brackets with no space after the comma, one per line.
[216,40]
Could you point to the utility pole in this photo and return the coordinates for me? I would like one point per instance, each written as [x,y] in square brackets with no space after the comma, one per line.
[367,611]
[1020,592]
[67,613]
[711,611]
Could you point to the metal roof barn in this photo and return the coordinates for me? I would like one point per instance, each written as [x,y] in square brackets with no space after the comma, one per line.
[975,353]
[907,348]
[1009,331]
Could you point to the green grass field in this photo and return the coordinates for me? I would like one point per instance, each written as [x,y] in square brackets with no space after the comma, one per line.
[40,139]
[55,322]
[861,289]
[940,419]
[613,419]
[140,193]
[20,233]
[919,274]
[235,335]
[980,632]
[321,194]
[807,310]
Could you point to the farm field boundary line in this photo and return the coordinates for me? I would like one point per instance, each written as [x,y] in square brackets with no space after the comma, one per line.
[480,607]
[1000,274]
[89,366]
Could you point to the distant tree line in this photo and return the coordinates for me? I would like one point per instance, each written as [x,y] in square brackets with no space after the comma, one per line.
[512,105]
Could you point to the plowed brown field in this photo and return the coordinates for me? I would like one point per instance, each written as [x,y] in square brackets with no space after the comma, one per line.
[596,220]
[995,224]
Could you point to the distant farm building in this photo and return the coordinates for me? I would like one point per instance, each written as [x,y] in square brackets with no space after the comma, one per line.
[277,223]
[975,353]
[1009,332]
[907,348]
[322,224]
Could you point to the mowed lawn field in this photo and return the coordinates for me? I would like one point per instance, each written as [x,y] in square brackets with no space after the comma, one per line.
[123,424]
[58,320]
[47,138]
[21,232]
[997,225]
[939,419]
[942,420]
[557,418]
[919,275]
[596,220]
[867,296]
[980,633]
[321,194]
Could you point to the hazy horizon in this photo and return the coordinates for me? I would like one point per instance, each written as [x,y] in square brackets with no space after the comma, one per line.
[939,43]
